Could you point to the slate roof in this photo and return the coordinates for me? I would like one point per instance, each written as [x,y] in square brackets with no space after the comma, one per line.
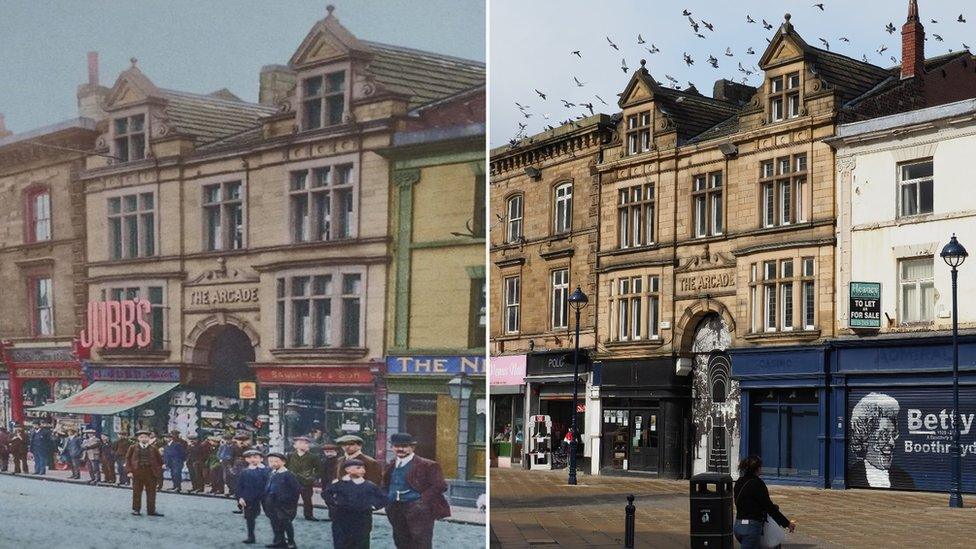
[208,117]
[894,81]
[847,76]
[426,77]
[692,112]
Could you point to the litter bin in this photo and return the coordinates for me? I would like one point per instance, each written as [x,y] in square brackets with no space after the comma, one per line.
[711,511]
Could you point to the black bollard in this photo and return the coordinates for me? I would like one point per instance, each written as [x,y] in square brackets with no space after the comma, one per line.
[629,522]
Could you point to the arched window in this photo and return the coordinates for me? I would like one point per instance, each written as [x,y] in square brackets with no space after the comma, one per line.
[38,214]
[563,208]
[514,208]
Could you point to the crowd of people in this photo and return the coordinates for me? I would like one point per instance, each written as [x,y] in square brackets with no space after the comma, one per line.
[241,466]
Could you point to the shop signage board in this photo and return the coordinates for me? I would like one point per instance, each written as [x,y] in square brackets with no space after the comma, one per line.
[47,373]
[507,370]
[117,325]
[247,390]
[133,373]
[33,354]
[436,365]
[905,433]
[351,375]
[865,305]
[713,282]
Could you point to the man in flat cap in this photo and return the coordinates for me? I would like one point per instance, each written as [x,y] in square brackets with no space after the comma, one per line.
[352,447]
[197,453]
[251,485]
[73,452]
[92,447]
[144,466]
[415,489]
[174,456]
[224,462]
[281,501]
[305,466]
[351,502]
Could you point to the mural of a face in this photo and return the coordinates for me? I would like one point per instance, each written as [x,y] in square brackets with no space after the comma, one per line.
[874,429]
[881,443]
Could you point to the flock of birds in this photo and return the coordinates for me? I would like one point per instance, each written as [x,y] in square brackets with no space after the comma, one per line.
[701,29]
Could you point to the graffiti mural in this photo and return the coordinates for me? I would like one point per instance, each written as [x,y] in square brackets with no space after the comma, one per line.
[715,411]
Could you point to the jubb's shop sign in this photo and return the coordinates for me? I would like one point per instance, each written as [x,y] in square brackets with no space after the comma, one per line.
[117,324]
[901,438]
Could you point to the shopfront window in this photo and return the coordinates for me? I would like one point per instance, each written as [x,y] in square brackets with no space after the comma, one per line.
[784,426]
[352,414]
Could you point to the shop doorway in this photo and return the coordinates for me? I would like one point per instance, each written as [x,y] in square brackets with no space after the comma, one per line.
[634,441]
[228,351]
[420,420]
[644,441]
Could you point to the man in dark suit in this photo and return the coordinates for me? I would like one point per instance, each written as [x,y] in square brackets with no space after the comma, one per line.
[281,501]
[251,485]
[197,454]
[144,466]
[121,448]
[73,452]
[415,489]
[174,456]
[352,448]
[41,446]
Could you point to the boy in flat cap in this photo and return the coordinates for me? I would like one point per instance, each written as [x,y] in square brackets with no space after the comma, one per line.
[281,501]
[351,502]
[305,466]
[352,447]
[250,489]
[144,465]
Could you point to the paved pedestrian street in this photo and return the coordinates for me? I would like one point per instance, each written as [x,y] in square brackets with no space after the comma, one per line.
[37,513]
[538,508]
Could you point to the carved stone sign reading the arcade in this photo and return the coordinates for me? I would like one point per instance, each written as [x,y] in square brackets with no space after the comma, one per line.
[223,296]
[716,281]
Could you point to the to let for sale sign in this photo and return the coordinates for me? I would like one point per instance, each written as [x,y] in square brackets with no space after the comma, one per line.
[865,305]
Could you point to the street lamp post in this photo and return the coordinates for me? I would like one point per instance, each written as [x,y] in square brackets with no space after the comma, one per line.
[577,300]
[460,387]
[954,254]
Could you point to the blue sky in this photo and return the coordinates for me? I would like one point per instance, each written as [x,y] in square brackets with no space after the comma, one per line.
[195,45]
[531,45]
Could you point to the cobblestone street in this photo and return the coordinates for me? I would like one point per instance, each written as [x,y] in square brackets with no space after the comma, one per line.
[537,508]
[98,518]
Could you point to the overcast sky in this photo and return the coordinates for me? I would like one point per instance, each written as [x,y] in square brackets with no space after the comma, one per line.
[195,45]
[531,45]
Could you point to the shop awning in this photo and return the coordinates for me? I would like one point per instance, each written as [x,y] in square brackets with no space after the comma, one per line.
[108,397]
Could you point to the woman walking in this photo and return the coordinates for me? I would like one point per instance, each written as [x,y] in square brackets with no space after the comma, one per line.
[753,506]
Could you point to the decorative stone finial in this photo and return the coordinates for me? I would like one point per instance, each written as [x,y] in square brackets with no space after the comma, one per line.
[133,60]
[643,62]
[330,8]
[787,17]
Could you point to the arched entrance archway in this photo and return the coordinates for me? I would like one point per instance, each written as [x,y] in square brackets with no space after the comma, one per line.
[715,409]
[221,347]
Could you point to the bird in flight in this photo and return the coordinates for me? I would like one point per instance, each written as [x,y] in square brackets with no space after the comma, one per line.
[694,24]
[567,104]
[825,43]
[652,50]
[890,28]
[882,49]
[578,83]
[623,65]
[688,60]
[612,45]
[700,35]
[708,25]
[751,51]
[819,6]
[934,22]
[844,39]
[601,99]
[577,54]
[712,61]
[589,106]
[540,94]
[728,52]
[937,37]
[749,19]
[686,13]
[640,39]
[961,19]
[766,24]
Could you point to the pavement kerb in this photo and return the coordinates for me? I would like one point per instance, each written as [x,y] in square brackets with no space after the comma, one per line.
[214,496]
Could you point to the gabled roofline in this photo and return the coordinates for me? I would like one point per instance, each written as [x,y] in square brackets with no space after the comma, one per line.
[80,123]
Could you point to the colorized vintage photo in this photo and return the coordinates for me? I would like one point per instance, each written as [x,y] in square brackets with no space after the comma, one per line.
[242,262]
[730,301]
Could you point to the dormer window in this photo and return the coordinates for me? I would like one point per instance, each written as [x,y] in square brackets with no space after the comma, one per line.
[323,100]
[639,133]
[784,97]
[130,137]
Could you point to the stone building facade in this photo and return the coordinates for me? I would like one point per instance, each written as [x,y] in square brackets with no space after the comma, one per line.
[42,264]
[543,199]
[436,306]
[257,236]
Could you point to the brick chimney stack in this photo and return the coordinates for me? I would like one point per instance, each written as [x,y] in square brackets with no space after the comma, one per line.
[93,68]
[91,95]
[912,44]
[4,132]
